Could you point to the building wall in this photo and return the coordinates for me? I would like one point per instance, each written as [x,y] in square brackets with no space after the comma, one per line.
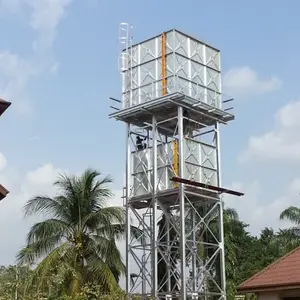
[268,296]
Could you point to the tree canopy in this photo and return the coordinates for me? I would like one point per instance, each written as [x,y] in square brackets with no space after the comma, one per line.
[76,243]
[73,253]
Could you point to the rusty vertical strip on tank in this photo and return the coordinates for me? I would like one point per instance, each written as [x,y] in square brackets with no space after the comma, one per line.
[163,64]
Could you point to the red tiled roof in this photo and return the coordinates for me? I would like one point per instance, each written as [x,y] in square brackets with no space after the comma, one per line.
[283,273]
[3,106]
[3,192]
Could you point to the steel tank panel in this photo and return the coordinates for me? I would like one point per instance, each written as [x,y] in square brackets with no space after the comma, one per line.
[140,167]
[142,170]
[200,164]
[192,68]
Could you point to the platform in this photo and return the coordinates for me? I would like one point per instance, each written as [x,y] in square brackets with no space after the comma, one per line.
[166,107]
[169,197]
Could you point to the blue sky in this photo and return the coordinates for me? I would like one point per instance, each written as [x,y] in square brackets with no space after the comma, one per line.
[58,65]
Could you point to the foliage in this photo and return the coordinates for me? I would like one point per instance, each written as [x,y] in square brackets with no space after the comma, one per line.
[77,241]
[235,235]
[13,287]
[174,256]
[245,254]
[77,257]
[13,281]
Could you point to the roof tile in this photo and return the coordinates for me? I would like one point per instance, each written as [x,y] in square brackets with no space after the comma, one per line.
[3,192]
[3,106]
[283,272]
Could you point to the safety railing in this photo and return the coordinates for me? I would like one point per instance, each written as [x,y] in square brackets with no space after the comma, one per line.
[175,84]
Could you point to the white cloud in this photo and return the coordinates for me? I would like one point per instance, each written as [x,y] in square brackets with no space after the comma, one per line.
[54,68]
[254,210]
[16,71]
[45,17]
[14,226]
[3,162]
[282,143]
[42,176]
[243,81]
[11,6]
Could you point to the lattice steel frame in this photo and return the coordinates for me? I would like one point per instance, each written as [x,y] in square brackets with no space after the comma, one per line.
[181,251]
[183,213]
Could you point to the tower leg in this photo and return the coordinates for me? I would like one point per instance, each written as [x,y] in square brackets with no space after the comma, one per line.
[154,210]
[128,222]
[221,221]
[182,240]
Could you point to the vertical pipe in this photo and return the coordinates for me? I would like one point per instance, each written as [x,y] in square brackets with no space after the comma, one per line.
[155,84]
[176,86]
[182,205]
[139,90]
[221,222]
[219,103]
[168,256]
[144,261]
[128,283]
[124,82]
[175,160]
[189,63]
[154,210]
[205,75]
[168,183]
[131,77]
[124,36]
[163,64]
[195,248]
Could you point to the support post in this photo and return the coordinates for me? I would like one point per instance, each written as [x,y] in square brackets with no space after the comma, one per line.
[128,284]
[144,261]
[169,281]
[154,210]
[194,254]
[221,225]
[181,205]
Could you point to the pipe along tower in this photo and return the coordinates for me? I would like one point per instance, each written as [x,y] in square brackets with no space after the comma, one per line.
[171,105]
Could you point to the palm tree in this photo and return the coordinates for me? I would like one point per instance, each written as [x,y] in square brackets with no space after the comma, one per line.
[290,238]
[77,241]
[292,214]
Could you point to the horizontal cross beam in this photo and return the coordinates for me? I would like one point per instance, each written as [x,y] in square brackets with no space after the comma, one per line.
[206,186]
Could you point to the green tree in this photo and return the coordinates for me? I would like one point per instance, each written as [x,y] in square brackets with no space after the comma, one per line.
[237,241]
[234,236]
[292,214]
[76,244]
[256,253]
[162,274]
[8,282]
[13,282]
[290,238]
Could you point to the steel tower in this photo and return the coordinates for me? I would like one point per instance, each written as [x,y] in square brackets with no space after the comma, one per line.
[171,104]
